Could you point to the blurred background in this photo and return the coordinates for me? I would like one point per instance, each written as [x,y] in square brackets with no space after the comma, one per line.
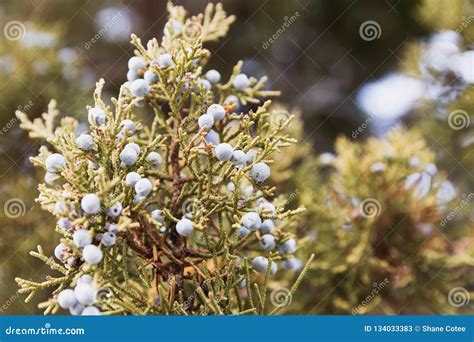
[325,56]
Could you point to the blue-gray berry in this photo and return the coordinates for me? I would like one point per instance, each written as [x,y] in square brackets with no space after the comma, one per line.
[252,221]
[268,242]
[82,238]
[260,264]
[139,88]
[132,178]
[92,255]
[85,293]
[143,187]
[150,76]
[97,116]
[243,232]
[165,60]
[212,137]
[55,162]
[288,247]
[157,215]
[224,151]
[154,158]
[128,156]
[213,76]
[60,250]
[206,121]
[260,172]
[241,82]
[67,298]
[114,210]
[90,203]
[136,63]
[184,227]
[238,158]
[267,227]
[85,142]
[128,125]
[217,111]
[108,239]
[90,311]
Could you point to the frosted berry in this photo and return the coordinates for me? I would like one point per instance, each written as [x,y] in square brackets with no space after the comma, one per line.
[128,156]
[114,210]
[150,76]
[205,83]
[267,227]
[138,198]
[132,178]
[81,238]
[206,120]
[154,158]
[243,232]
[139,88]
[157,215]
[212,137]
[249,156]
[213,76]
[85,293]
[133,146]
[184,227]
[224,152]
[132,75]
[92,255]
[128,125]
[136,63]
[55,162]
[85,142]
[217,111]
[273,268]
[97,116]
[241,82]
[85,279]
[260,264]
[165,60]
[143,187]
[90,203]
[108,239]
[288,247]
[232,100]
[266,207]
[252,221]
[60,250]
[293,264]
[51,178]
[260,172]
[67,299]
[76,309]
[239,158]
[268,242]
[64,223]
[90,311]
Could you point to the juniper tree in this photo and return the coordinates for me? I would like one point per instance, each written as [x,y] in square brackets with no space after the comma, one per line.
[165,205]
[379,217]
